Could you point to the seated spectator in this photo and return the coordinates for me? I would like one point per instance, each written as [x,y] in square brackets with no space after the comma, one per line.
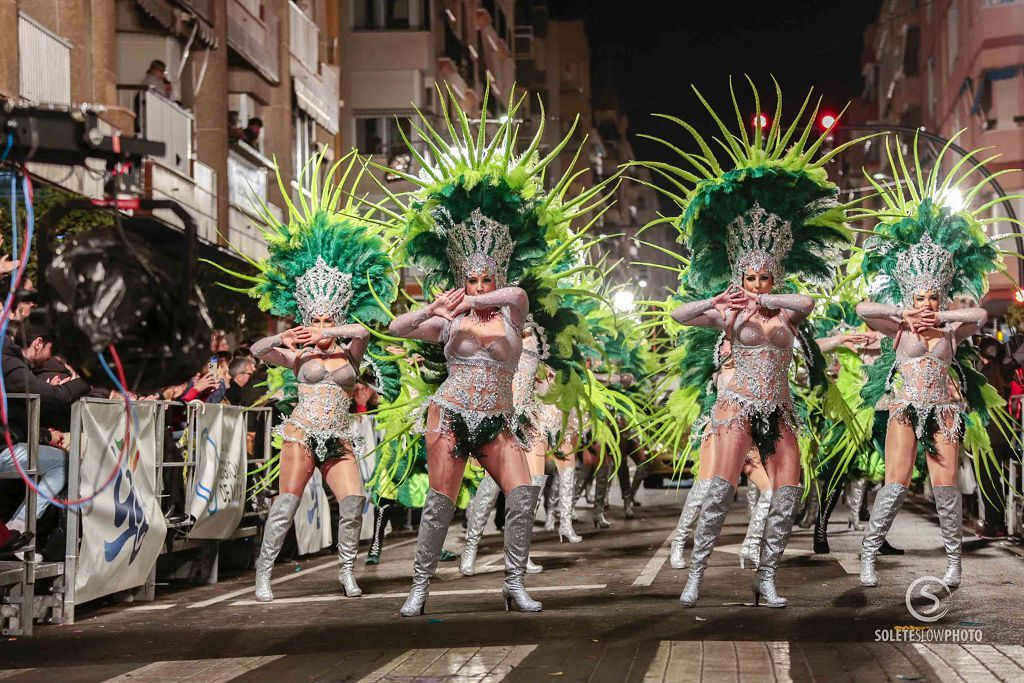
[251,133]
[156,78]
[54,414]
[240,372]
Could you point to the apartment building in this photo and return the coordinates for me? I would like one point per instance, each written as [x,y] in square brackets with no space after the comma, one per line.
[946,66]
[274,60]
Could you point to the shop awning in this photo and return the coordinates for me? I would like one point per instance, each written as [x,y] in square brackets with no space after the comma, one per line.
[179,20]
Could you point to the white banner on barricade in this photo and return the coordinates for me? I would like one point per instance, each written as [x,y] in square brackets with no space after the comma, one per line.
[123,529]
[216,494]
[366,426]
[313,518]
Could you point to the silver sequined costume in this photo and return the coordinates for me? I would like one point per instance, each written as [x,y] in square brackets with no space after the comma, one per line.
[322,412]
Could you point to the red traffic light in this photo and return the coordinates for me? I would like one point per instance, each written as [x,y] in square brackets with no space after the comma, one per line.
[827,121]
[760,121]
[1018,296]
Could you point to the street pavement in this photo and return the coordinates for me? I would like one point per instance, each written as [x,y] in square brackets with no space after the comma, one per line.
[611,613]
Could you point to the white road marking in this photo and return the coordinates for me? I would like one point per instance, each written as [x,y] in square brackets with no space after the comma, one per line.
[153,608]
[464,664]
[11,673]
[195,670]
[433,593]
[332,562]
[654,565]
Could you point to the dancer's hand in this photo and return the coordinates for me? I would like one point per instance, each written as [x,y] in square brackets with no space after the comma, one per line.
[733,299]
[445,303]
[311,335]
[292,338]
[857,339]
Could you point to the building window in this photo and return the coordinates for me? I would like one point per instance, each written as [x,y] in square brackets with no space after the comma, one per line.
[1005,110]
[305,149]
[382,133]
[391,15]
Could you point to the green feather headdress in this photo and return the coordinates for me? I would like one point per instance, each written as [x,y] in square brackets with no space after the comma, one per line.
[766,203]
[475,193]
[326,256]
[918,242]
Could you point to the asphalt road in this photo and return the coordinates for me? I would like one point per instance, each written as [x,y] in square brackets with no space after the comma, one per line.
[610,614]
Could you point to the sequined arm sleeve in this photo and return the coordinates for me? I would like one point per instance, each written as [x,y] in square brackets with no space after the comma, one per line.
[418,324]
[830,344]
[798,305]
[970,320]
[359,338]
[699,314]
[271,350]
[881,317]
[514,298]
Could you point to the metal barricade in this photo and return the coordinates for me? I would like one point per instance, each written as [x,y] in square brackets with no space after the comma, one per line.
[18,577]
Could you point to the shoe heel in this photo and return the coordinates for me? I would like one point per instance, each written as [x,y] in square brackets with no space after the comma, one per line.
[508,601]
[561,539]
[757,598]
[743,562]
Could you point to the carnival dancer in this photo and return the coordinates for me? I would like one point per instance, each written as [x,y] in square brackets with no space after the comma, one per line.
[328,269]
[774,215]
[480,224]
[921,254]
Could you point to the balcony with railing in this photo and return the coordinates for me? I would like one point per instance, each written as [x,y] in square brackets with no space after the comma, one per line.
[316,84]
[254,37]
[44,64]
[248,175]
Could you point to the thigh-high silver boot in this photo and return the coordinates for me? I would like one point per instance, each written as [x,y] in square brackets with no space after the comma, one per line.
[539,481]
[566,502]
[350,521]
[785,502]
[600,499]
[279,520]
[753,493]
[712,517]
[887,503]
[855,491]
[949,505]
[438,510]
[687,521]
[476,519]
[519,510]
[750,549]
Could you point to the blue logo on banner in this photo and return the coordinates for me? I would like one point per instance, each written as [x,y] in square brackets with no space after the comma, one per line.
[314,509]
[205,492]
[128,512]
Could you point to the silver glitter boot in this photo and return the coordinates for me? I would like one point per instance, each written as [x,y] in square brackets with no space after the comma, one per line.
[854,501]
[438,510]
[279,520]
[519,507]
[750,549]
[551,503]
[753,493]
[566,500]
[539,481]
[687,521]
[350,521]
[476,519]
[785,502]
[887,503]
[600,499]
[709,527]
[949,505]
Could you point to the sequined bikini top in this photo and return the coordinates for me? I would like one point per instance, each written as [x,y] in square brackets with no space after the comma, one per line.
[925,372]
[314,371]
[463,346]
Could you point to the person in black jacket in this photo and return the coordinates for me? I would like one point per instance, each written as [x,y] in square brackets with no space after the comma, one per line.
[56,398]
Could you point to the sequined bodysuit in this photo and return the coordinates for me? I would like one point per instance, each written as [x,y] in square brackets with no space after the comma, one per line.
[322,411]
[480,375]
[758,385]
[922,387]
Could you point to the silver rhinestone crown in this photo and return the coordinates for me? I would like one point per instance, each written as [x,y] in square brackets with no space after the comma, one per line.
[479,245]
[923,267]
[323,290]
[758,240]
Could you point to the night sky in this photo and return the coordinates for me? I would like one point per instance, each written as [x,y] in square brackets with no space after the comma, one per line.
[650,52]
